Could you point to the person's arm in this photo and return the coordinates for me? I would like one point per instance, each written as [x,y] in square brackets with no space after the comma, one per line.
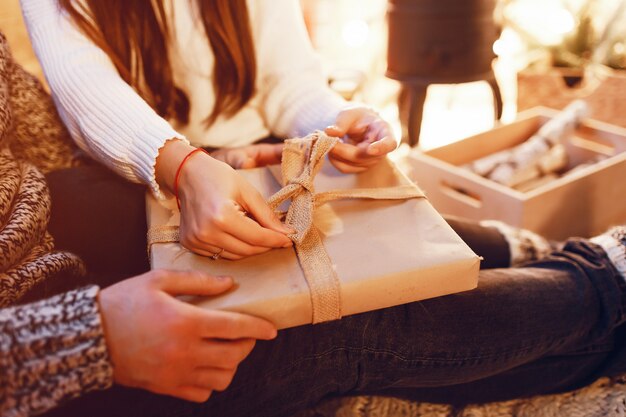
[105,116]
[108,119]
[51,351]
[296,96]
[134,333]
[293,86]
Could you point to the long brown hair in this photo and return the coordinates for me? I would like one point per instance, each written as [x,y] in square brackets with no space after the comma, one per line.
[134,33]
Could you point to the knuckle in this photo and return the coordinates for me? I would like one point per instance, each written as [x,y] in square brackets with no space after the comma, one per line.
[202,235]
[219,221]
[188,240]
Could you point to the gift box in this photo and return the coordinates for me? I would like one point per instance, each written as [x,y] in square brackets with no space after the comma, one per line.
[384,245]
[585,201]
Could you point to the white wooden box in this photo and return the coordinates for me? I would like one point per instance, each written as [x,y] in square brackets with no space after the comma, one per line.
[581,203]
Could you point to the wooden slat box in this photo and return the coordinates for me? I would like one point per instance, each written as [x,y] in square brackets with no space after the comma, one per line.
[581,203]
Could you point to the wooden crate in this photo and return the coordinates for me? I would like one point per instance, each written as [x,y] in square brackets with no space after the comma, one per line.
[581,203]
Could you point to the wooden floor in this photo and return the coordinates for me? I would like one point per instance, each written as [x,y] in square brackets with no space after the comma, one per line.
[12,25]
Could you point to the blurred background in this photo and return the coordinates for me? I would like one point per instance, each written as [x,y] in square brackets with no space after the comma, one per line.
[455,67]
[542,52]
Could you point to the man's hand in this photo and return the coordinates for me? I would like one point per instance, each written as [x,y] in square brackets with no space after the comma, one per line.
[164,345]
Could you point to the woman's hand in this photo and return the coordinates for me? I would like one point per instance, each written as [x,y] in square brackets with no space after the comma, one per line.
[251,156]
[367,139]
[161,344]
[221,213]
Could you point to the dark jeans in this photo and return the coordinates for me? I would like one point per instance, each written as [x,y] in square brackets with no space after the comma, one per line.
[553,325]
[102,218]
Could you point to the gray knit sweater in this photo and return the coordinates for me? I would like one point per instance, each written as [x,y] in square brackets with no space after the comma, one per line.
[54,349]
[51,351]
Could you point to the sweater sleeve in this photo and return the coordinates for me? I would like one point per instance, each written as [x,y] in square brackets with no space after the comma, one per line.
[294,88]
[51,351]
[104,115]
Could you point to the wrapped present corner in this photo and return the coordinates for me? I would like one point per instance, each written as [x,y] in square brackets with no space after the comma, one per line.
[363,242]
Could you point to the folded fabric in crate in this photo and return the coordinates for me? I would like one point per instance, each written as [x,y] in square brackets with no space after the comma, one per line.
[363,242]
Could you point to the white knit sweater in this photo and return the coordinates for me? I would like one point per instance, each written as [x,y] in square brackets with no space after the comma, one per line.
[111,122]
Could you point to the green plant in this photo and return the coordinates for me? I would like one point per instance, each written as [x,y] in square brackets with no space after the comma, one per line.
[597,36]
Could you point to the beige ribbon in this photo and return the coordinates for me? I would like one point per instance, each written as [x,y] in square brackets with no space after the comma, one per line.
[162,234]
[301,161]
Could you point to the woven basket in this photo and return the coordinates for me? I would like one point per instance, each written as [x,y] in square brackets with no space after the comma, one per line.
[606,97]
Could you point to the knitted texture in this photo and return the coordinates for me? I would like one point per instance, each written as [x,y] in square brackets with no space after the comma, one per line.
[614,244]
[51,351]
[29,123]
[603,398]
[54,349]
[524,245]
[31,137]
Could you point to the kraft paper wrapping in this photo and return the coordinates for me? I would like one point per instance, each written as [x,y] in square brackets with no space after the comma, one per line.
[385,253]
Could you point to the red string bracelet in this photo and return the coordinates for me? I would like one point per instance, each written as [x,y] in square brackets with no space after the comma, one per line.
[180,167]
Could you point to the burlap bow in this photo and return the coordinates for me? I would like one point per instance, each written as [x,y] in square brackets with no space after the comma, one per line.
[301,161]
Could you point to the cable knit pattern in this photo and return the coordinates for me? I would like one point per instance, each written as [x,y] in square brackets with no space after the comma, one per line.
[29,122]
[524,245]
[25,215]
[614,244]
[51,351]
[25,246]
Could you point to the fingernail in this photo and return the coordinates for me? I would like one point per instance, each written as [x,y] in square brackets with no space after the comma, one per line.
[373,149]
[224,278]
[288,245]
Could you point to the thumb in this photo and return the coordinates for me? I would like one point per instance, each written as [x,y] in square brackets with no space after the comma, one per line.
[191,283]
[348,122]
[336,131]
